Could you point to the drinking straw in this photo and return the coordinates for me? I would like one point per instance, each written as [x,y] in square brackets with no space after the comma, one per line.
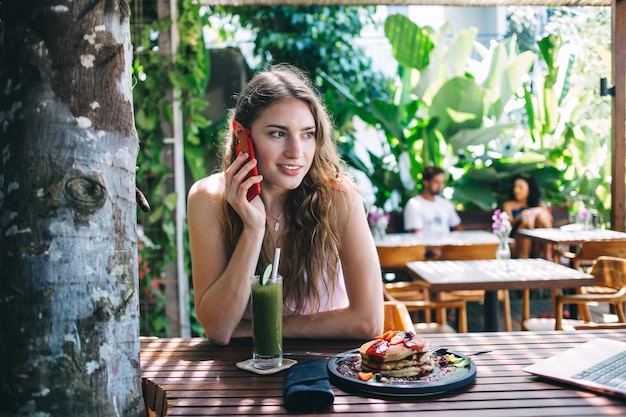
[275,268]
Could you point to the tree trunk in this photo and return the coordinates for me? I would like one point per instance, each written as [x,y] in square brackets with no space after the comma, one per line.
[69,315]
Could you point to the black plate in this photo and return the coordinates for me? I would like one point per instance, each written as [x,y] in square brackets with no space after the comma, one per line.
[343,371]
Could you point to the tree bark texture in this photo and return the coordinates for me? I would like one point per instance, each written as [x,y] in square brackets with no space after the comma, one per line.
[69,315]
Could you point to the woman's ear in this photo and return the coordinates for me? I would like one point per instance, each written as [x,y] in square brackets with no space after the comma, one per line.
[237,127]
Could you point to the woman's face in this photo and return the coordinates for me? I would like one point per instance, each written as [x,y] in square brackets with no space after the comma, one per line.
[284,142]
[520,190]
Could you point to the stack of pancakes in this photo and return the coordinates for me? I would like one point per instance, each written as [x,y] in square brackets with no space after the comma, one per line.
[397,353]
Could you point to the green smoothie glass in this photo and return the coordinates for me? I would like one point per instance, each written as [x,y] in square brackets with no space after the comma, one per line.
[267,322]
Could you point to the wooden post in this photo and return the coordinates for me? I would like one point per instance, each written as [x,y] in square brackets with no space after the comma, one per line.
[618,34]
[175,281]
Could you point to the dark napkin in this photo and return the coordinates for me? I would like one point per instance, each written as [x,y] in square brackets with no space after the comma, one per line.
[307,387]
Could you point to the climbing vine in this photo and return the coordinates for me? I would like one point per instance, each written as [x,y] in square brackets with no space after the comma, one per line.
[156,76]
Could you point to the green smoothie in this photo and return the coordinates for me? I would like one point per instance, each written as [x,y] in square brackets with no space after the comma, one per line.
[267,320]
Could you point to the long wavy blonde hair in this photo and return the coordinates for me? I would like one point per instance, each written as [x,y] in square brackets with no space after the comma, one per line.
[310,241]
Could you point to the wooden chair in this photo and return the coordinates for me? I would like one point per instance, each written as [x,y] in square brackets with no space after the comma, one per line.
[395,258]
[397,317]
[609,274]
[468,253]
[560,215]
[584,257]
[591,250]
[415,298]
[536,324]
[609,287]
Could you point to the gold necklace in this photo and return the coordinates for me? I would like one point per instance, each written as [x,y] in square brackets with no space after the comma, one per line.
[277,224]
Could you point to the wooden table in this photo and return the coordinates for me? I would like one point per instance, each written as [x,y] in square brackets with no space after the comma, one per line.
[456,238]
[396,249]
[570,235]
[492,275]
[193,377]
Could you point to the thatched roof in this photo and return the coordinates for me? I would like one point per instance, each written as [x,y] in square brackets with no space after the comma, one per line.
[462,3]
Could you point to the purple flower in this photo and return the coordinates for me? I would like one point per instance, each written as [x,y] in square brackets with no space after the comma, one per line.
[501,225]
[378,217]
[584,214]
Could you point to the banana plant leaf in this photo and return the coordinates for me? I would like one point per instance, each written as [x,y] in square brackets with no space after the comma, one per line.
[410,44]
[446,60]
[459,104]
[525,158]
[506,75]
[469,137]
[474,194]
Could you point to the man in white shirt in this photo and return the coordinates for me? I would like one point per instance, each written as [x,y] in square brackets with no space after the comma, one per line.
[428,212]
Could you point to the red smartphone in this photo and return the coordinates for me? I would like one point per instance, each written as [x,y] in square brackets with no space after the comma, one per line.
[243,143]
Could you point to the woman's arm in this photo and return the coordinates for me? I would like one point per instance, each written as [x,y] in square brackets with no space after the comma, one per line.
[221,285]
[363,318]
[507,207]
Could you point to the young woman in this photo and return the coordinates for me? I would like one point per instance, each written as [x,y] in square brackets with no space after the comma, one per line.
[308,207]
[526,210]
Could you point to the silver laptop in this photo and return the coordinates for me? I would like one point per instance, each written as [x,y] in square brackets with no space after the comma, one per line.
[594,365]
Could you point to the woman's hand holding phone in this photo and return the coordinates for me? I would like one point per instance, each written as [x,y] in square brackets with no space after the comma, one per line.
[252,213]
[243,143]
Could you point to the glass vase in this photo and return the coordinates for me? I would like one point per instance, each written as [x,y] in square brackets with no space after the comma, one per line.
[378,232]
[504,251]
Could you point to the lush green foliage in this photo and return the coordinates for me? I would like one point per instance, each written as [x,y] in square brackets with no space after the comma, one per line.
[576,131]
[472,116]
[319,40]
[588,171]
[445,104]
[451,111]
[156,76]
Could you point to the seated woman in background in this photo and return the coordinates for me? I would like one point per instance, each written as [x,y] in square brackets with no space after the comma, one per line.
[527,211]
[309,207]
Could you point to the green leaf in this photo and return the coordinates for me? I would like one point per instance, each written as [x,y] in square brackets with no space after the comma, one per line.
[460,51]
[462,362]
[410,44]
[526,158]
[458,96]
[170,201]
[388,115]
[156,213]
[469,137]
[194,157]
[145,121]
[476,193]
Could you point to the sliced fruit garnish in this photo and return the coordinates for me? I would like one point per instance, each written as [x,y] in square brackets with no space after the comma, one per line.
[365,376]
[396,339]
[266,274]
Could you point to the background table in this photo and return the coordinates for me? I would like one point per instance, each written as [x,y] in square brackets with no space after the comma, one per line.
[193,377]
[492,275]
[456,238]
[396,249]
[570,236]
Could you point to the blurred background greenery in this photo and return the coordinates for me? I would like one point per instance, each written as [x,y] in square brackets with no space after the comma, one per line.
[528,102]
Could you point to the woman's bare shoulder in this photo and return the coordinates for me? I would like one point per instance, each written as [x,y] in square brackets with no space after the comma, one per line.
[211,184]
[509,204]
[206,190]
